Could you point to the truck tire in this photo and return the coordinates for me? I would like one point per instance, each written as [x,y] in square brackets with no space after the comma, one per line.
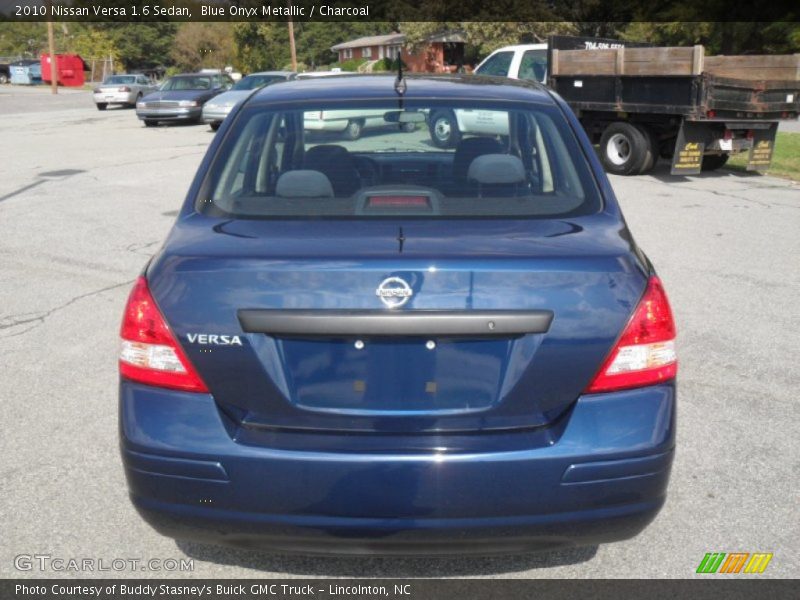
[443,128]
[712,162]
[102,106]
[623,149]
[150,123]
[3,78]
[353,130]
[653,153]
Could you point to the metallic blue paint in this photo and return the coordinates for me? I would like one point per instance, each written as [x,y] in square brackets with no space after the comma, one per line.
[313,445]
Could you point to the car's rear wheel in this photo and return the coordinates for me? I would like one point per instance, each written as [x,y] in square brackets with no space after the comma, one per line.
[408,127]
[102,106]
[150,123]
[214,126]
[623,149]
[3,78]
[444,129]
[712,162]
[353,130]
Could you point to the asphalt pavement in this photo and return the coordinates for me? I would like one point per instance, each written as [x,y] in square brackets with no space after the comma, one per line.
[87,196]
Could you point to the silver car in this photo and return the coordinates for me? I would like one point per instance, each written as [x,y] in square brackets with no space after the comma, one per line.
[216,109]
[126,89]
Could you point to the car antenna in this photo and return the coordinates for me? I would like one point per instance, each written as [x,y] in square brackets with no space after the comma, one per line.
[400,83]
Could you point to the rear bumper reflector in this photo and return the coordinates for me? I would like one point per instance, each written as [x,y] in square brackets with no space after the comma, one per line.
[318,323]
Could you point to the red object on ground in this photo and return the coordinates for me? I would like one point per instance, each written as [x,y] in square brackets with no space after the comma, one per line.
[69,69]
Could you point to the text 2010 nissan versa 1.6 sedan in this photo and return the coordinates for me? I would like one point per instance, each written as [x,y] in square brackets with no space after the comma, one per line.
[382,346]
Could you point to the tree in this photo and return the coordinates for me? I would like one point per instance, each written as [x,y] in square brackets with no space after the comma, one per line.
[720,37]
[264,46]
[199,45]
[141,45]
[485,37]
[22,39]
[90,42]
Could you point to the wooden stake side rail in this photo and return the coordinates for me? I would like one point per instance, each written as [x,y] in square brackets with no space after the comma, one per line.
[674,61]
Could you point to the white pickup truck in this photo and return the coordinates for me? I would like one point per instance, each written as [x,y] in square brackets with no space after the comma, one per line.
[526,61]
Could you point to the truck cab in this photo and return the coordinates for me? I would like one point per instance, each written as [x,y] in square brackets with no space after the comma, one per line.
[524,61]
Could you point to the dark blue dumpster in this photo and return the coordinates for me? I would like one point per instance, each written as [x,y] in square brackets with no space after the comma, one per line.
[26,72]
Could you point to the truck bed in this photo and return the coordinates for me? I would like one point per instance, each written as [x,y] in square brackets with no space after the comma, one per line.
[678,81]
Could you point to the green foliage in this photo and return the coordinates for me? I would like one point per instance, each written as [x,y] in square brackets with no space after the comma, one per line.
[141,45]
[485,37]
[203,45]
[352,64]
[90,42]
[22,39]
[264,46]
[720,38]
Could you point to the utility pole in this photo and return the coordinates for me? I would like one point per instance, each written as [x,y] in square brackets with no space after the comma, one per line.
[291,37]
[51,42]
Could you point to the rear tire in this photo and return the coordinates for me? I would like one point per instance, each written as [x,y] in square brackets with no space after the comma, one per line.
[214,126]
[623,149]
[3,78]
[150,123]
[353,130]
[712,162]
[102,106]
[408,127]
[652,154]
[444,129]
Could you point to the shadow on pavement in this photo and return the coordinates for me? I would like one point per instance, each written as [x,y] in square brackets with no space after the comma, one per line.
[393,566]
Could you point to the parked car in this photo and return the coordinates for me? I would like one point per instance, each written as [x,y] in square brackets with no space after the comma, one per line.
[381,346]
[181,98]
[215,110]
[125,89]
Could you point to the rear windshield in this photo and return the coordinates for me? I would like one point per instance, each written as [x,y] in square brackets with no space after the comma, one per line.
[117,79]
[186,83]
[252,82]
[380,160]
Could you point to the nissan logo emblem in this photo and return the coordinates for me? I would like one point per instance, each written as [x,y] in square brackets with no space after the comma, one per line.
[394,292]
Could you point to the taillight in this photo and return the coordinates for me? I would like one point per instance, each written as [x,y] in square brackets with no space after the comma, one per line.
[728,135]
[150,353]
[645,353]
[124,88]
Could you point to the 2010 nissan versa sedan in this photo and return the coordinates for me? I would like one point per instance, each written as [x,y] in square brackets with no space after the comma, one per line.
[381,346]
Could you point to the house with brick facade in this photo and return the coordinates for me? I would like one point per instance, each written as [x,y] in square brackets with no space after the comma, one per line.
[441,53]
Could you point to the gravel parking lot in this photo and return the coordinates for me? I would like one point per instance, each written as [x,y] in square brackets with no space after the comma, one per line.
[86,197]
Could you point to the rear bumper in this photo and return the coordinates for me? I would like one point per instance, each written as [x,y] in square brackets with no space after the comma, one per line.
[330,126]
[115,98]
[602,478]
[215,115]
[169,114]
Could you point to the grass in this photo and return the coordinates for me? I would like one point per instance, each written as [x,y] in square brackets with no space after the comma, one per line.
[785,157]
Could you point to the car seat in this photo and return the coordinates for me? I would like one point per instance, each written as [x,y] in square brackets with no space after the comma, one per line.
[337,164]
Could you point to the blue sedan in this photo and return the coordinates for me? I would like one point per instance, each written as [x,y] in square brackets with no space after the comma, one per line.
[181,98]
[382,346]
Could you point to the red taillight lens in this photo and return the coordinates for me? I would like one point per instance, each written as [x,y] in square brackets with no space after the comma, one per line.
[645,353]
[728,135]
[150,353]
[124,88]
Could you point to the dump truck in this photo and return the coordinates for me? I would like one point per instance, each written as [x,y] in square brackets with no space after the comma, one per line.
[639,102]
